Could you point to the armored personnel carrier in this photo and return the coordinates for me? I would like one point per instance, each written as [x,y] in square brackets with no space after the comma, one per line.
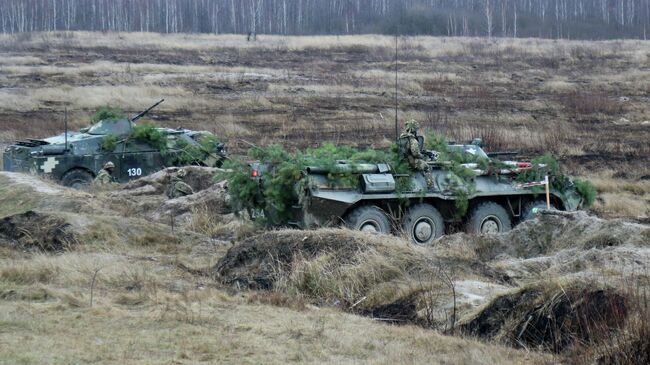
[384,201]
[74,158]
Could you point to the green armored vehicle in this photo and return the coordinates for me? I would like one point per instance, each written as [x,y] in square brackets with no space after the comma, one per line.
[74,158]
[383,201]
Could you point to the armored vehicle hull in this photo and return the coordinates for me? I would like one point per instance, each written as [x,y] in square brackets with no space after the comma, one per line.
[495,205]
[75,159]
[385,202]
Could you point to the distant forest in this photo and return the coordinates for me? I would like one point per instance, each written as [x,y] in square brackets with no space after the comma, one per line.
[574,19]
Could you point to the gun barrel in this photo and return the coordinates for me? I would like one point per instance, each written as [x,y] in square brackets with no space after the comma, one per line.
[502,153]
[143,113]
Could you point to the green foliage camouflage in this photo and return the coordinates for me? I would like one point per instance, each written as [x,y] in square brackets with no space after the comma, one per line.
[209,142]
[244,192]
[189,154]
[279,187]
[109,143]
[547,165]
[278,191]
[587,191]
[452,161]
[150,134]
[107,112]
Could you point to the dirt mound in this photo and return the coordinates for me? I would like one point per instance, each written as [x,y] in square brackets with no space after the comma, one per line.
[552,233]
[198,177]
[32,231]
[22,192]
[257,262]
[146,197]
[550,317]
[211,200]
[375,275]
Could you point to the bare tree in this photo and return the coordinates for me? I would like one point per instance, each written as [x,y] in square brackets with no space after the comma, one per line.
[544,18]
[488,18]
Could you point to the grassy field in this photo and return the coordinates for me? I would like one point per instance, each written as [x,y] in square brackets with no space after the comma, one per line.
[126,288]
[132,291]
[585,102]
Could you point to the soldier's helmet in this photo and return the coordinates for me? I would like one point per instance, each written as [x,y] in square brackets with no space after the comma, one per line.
[181,173]
[411,126]
[109,165]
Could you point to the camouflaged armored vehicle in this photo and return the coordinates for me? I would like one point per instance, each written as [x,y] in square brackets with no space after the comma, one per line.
[383,201]
[74,158]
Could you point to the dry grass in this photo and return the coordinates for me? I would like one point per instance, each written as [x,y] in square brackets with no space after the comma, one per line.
[621,197]
[133,291]
[303,90]
[144,310]
[622,205]
[230,227]
[530,96]
[378,276]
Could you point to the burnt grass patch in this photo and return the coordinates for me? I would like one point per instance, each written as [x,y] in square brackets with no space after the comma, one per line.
[551,318]
[36,232]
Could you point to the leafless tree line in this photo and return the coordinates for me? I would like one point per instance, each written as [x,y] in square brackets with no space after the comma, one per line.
[506,18]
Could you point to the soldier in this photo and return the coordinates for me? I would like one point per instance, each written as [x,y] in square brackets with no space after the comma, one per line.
[105,175]
[177,187]
[410,150]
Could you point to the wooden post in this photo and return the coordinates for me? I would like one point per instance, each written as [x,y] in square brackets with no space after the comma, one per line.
[548,192]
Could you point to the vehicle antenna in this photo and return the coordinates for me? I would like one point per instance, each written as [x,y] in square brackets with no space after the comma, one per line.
[65,124]
[396,128]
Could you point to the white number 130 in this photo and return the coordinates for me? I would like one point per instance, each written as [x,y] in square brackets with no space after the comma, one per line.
[135,172]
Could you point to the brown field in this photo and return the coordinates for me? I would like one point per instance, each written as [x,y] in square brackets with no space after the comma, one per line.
[586,102]
[133,290]
[87,278]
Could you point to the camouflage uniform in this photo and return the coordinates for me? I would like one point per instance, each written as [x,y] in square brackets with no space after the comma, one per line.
[411,149]
[177,187]
[104,176]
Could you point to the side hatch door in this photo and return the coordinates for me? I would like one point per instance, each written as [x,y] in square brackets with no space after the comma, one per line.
[138,159]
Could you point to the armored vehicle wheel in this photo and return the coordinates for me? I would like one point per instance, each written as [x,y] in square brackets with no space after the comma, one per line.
[489,218]
[423,224]
[530,209]
[368,218]
[77,178]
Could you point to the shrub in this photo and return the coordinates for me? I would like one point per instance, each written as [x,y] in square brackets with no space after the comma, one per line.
[587,191]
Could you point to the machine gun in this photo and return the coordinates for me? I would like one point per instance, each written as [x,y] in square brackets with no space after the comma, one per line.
[432,155]
[143,113]
[502,153]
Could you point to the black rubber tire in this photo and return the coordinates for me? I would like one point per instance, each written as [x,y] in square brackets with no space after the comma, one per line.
[527,213]
[367,217]
[427,214]
[485,213]
[77,178]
